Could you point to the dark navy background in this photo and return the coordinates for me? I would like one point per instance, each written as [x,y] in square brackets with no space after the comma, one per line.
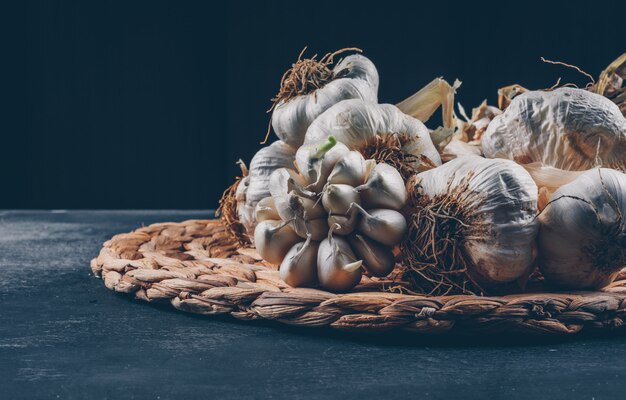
[149,104]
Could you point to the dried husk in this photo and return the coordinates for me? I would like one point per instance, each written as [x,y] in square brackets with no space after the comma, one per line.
[424,103]
[611,83]
[233,200]
[471,129]
[508,93]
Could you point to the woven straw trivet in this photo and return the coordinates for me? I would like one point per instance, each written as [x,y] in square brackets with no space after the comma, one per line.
[196,267]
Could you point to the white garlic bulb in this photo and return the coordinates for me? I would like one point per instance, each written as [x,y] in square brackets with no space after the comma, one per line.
[354,77]
[345,237]
[255,186]
[356,123]
[478,212]
[567,128]
[582,238]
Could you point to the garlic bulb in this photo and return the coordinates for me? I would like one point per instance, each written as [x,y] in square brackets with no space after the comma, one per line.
[346,237]
[567,128]
[356,123]
[354,77]
[582,238]
[473,222]
[255,186]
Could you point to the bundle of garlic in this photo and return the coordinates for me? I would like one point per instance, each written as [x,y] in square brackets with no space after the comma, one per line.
[472,226]
[310,87]
[582,238]
[323,228]
[567,128]
[307,89]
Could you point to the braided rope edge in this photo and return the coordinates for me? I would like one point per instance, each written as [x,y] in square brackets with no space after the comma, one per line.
[196,267]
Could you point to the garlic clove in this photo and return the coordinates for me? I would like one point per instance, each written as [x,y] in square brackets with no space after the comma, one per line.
[317,228]
[338,198]
[384,226]
[337,267]
[351,169]
[299,267]
[378,259]
[273,239]
[316,161]
[343,225]
[266,209]
[284,181]
[384,188]
[293,206]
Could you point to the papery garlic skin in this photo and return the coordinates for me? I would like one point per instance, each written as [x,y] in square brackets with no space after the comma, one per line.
[549,179]
[356,77]
[458,148]
[503,199]
[567,128]
[356,123]
[582,239]
[255,186]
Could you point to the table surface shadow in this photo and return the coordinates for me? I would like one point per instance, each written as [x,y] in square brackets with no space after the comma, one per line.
[64,335]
